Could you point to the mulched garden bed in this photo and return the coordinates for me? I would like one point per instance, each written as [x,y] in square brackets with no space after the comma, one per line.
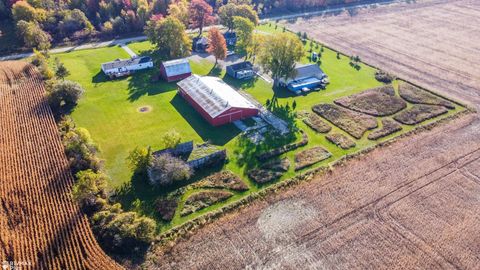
[388,127]
[316,123]
[262,176]
[341,140]
[166,208]
[310,156]
[203,199]
[354,123]
[419,113]
[417,95]
[223,179]
[380,101]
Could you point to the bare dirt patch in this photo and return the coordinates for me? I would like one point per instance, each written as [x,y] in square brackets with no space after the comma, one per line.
[341,140]
[310,156]
[379,101]
[416,95]
[419,113]
[388,127]
[144,109]
[354,123]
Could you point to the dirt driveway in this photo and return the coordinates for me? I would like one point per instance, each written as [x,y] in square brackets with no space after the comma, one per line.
[412,205]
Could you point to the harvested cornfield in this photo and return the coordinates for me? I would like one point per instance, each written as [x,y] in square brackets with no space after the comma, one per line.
[354,123]
[204,199]
[416,95]
[340,140]
[379,101]
[310,156]
[419,113]
[41,226]
[316,123]
[388,127]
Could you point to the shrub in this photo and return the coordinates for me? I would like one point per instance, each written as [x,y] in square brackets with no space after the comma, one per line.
[80,150]
[119,231]
[64,96]
[89,191]
[171,139]
[166,208]
[139,159]
[167,169]
[384,77]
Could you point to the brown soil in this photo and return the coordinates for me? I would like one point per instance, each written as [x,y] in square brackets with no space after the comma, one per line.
[388,127]
[341,140]
[41,225]
[379,101]
[412,205]
[354,123]
[419,113]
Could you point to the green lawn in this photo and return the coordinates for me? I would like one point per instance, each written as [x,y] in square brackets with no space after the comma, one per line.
[109,110]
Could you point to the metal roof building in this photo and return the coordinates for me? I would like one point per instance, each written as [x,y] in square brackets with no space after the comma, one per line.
[175,70]
[306,77]
[121,67]
[216,101]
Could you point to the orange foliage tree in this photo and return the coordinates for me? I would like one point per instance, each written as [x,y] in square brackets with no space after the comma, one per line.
[217,44]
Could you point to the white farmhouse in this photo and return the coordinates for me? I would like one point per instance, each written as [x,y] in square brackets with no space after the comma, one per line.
[119,67]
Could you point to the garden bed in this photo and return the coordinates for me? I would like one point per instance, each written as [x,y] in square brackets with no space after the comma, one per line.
[316,123]
[354,123]
[204,199]
[284,149]
[341,140]
[310,156]
[223,179]
[417,95]
[380,101]
[419,113]
[388,127]
[270,171]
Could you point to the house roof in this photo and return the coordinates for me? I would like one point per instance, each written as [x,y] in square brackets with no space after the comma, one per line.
[119,63]
[177,67]
[311,70]
[241,66]
[213,94]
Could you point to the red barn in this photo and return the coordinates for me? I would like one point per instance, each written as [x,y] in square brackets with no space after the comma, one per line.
[175,70]
[215,100]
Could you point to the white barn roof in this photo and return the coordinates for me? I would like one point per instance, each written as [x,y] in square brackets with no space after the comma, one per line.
[177,67]
[213,94]
[119,63]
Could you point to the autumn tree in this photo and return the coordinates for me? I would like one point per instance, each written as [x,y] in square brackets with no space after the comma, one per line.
[279,54]
[201,14]
[169,36]
[33,36]
[244,29]
[179,10]
[230,10]
[217,44]
[255,45]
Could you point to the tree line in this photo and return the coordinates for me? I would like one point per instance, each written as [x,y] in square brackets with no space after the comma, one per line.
[40,22]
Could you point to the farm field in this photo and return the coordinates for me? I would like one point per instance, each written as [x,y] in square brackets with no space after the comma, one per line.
[411,205]
[42,227]
[118,126]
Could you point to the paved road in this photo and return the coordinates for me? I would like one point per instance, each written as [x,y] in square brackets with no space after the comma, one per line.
[142,38]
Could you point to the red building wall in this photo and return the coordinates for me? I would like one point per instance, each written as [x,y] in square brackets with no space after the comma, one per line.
[232,114]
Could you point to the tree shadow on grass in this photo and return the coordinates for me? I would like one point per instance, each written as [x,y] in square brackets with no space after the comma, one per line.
[100,77]
[147,83]
[216,135]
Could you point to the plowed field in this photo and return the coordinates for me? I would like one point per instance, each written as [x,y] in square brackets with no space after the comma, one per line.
[40,226]
[412,205]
